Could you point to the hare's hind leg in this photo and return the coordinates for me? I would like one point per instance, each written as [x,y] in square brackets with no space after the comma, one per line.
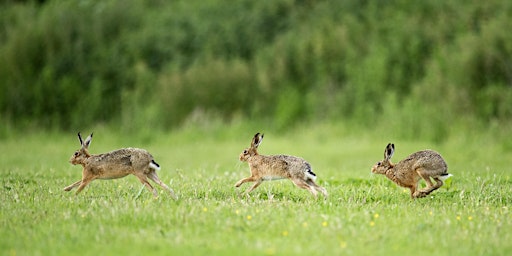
[431,189]
[317,187]
[426,177]
[439,183]
[144,180]
[430,186]
[72,186]
[305,185]
[154,177]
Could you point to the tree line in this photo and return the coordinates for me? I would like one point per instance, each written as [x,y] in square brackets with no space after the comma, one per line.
[66,64]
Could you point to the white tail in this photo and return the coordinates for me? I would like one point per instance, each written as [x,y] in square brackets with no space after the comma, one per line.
[309,173]
[444,177]
[153,165]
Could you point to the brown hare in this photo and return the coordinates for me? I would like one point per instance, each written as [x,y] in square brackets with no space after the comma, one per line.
[278,167]
[115,164]
[407,173]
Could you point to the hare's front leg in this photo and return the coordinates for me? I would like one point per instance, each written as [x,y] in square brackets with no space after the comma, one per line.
[83,184]
[72,186]
[244,180]
[254,186]
[87,176]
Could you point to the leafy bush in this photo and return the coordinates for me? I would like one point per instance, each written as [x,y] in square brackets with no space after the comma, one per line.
[423,64]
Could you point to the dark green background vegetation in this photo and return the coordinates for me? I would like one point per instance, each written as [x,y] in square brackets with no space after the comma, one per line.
[421,67]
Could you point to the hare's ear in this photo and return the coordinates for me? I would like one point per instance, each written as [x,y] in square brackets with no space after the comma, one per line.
[258,137]
[390,150]
[87,141]
[80,139]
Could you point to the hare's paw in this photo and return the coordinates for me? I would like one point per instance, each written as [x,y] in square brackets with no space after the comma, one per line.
[419,194]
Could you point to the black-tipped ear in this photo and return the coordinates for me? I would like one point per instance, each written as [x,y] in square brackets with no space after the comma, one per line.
[258,137]
[80,138]
[390,149]
[87,141]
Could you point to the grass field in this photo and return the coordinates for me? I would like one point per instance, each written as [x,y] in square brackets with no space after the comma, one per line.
[364,214]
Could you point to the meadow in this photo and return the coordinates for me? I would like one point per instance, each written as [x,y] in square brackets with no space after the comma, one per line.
[365,214]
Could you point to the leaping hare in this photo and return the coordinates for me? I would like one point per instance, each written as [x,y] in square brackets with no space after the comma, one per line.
[115,164]
[278,167]
[407,173]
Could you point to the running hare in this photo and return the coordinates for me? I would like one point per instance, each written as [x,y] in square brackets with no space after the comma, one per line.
[407,173]
[115,164]
[278,167]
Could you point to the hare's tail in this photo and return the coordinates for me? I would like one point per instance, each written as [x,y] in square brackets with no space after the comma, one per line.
[445,176]
[154,165]
[309,173]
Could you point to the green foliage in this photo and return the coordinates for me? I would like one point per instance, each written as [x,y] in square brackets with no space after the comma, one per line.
[61,63]
[219,87]
[421,64]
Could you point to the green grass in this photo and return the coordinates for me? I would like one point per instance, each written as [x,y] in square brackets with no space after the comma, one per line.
[364,214]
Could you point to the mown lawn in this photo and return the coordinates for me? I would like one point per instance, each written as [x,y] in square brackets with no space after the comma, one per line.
[364,214]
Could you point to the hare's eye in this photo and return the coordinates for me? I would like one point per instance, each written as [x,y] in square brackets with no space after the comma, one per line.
[245,152]
[77,153]
[379,163]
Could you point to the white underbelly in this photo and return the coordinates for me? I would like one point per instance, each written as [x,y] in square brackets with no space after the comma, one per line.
[272,178]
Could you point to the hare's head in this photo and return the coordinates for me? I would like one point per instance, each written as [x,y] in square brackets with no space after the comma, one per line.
[83,153]
[384,165]
[253,149]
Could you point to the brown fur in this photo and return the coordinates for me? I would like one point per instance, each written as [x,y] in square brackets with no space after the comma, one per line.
[115,164]
[425,164]
[277,167]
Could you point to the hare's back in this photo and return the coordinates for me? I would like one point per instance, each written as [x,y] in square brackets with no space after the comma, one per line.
[291,160]
[295,165]
[129,157]
[429,160]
